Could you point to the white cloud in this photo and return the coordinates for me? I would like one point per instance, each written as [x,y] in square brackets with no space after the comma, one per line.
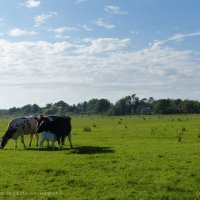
[42,19]
[103,24]
[63,37]
[63,29]
[104,45]
[60,30]
[16,32]
[32,3]
[85,27]
[80,1]
[47,72]
[115,10]
[183,36]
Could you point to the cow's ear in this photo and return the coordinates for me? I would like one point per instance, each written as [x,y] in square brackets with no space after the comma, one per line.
[69,117]
[36,118]
[41,116]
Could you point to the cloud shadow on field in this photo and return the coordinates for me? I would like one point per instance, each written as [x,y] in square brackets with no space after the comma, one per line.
[92,150]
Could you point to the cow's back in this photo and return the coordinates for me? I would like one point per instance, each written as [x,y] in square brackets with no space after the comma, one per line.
[60,126]
[31,125]
[26,125]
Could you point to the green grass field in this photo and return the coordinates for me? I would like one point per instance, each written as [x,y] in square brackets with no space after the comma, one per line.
[139,157]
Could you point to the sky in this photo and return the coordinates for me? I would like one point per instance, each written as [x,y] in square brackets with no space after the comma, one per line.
[76,50]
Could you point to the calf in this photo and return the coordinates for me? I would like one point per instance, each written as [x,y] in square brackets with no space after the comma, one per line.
[60,126]
[48,136]
[20,126]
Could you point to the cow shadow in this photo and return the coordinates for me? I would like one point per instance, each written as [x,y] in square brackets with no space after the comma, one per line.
[92,150]
[76,149]
[43,149]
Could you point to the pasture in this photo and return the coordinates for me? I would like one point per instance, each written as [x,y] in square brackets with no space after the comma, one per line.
[138,157]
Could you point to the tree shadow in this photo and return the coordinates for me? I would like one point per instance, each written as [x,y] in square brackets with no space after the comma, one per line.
[91,150]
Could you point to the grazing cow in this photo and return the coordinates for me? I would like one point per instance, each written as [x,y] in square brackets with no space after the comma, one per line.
[20,126]
[60,126]
[48,136]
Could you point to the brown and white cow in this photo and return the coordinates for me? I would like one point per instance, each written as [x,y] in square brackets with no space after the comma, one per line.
[20,126]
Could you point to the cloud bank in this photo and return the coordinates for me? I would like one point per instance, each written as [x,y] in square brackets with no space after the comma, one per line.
[97,67]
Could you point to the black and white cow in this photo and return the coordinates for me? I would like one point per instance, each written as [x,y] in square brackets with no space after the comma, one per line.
[20,126]
[59,125]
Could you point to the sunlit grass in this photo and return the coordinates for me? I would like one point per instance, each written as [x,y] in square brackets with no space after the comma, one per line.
[138,158]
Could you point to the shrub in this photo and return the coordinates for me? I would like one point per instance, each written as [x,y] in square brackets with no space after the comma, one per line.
[179,137]
[87,129]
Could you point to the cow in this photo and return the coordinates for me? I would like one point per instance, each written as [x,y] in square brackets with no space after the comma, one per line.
[48,118]
[59,125]
[20,126]
[48,136]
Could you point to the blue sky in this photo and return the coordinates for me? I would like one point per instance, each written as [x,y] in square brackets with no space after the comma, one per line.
[75,50]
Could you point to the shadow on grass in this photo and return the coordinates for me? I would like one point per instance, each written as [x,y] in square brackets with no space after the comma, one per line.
[33,149]
[92,150]
[44,149]
[75,150]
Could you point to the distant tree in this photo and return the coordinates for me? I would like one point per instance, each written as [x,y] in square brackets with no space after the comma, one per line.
[26,110]
[13,111]
[125,106]
[189,106]
[150,100]
[82,107]
[35,109]
[61,107]
[162,106]
[91,106]
[102,106]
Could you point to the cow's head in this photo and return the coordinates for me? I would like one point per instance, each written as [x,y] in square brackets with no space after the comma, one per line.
[42,126]
[42,119]
[6,137]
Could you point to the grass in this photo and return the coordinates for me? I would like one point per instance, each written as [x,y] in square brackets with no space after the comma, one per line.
[139,158]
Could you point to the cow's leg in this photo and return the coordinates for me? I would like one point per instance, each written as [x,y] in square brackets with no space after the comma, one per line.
[22,140]
[52,143]
[70,140]
[31,138]
[16,143]
[37,139]
[41,142]
[47,143]
[62,142]
[58,141]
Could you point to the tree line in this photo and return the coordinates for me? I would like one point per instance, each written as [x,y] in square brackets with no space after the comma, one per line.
[128,105]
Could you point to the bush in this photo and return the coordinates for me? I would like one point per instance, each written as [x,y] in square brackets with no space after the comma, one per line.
[87,129]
